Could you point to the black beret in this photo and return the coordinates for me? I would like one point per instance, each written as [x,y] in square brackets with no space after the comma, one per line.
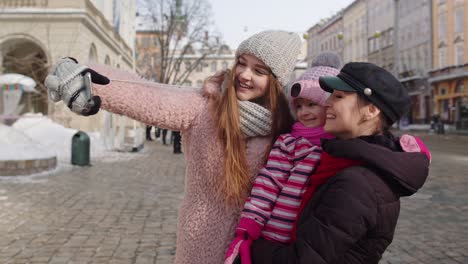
[376,84]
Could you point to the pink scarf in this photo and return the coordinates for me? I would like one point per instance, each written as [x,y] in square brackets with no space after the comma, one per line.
[313,134]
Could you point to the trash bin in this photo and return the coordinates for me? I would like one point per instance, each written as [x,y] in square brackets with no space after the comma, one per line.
[440,128]
[80,149]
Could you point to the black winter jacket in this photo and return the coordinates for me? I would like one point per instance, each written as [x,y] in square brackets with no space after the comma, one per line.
[352,217]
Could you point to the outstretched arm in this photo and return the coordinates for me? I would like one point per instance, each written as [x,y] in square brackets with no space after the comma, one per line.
[125,93]
[162,105]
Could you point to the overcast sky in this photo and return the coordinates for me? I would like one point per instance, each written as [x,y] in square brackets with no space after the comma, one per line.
[238,19]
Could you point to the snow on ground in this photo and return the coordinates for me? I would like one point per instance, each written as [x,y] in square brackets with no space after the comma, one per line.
[15,145]
[54,137]
[35,136]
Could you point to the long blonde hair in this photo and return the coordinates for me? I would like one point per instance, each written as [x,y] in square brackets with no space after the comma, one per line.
[237,182]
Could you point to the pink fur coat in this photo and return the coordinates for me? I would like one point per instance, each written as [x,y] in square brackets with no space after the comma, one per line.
[205,226]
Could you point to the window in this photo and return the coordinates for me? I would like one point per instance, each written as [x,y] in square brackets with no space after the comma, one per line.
[190,50]
[199,67]
[460,86]
[442,57]
[213,66]
[225,65]
[443,26]
[410,61]
[187,65]
[188,83]
[459,53]
[426,56]
[224,50]
[146,42]
[459,20]
[199,83]
[443,91]
[92,56]
[390,37]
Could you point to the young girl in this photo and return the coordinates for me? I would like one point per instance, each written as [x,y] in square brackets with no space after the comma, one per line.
[350,210]
[225,138]
[276,195]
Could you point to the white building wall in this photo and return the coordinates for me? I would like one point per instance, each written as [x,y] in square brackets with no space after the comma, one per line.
[212,64]
[106,8]
[127,22]
[355,32]
[71,33]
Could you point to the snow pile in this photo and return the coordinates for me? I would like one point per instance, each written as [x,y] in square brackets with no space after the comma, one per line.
[44,137]
[15,145]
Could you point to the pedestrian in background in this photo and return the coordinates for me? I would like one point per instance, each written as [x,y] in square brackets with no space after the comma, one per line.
[227,136]
[177,145]
[163,136]
[148,132]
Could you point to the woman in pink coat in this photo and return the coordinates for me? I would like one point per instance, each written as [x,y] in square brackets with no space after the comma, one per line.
[226,136]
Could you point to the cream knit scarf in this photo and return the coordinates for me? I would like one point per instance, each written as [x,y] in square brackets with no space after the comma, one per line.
[255,120]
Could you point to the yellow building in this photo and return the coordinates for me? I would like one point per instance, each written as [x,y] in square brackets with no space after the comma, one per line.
[449,75]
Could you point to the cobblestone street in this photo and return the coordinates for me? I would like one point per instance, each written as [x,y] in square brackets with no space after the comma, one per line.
[433,224]
[124,210]
[120,211]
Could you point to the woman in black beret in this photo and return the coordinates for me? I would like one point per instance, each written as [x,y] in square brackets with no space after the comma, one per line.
[350,210]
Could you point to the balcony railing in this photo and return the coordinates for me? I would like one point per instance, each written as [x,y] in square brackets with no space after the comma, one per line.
[23,3]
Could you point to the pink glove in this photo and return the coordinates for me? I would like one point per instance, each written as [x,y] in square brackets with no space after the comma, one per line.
[247,231]
[414,144]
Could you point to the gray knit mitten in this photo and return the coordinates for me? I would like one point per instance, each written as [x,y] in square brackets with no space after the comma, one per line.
[71,83]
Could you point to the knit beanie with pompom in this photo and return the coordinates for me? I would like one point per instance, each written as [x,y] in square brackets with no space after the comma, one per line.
[307,85]
[277,49]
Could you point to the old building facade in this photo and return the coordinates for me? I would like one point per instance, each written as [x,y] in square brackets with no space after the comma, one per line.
[313,43]
[380,38]
[47,30]
[449,75]
[222,59]
[415,56]
[331,34]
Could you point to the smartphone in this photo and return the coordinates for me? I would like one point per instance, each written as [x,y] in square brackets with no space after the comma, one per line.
[87,84]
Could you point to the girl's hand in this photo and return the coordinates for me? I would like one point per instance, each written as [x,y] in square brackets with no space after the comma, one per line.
[70,82]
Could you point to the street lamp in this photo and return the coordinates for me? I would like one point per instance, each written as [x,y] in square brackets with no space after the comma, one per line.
[340,35]
[340,41]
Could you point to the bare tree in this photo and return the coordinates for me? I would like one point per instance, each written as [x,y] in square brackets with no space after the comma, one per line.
[184,28]
[34,65]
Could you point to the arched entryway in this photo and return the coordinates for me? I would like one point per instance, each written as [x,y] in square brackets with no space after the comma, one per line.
[93,57]
[24,56]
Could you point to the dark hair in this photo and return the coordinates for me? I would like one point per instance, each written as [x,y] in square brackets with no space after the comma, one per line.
[384,124]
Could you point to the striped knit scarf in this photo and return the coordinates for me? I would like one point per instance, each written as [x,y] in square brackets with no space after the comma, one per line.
[255,120]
